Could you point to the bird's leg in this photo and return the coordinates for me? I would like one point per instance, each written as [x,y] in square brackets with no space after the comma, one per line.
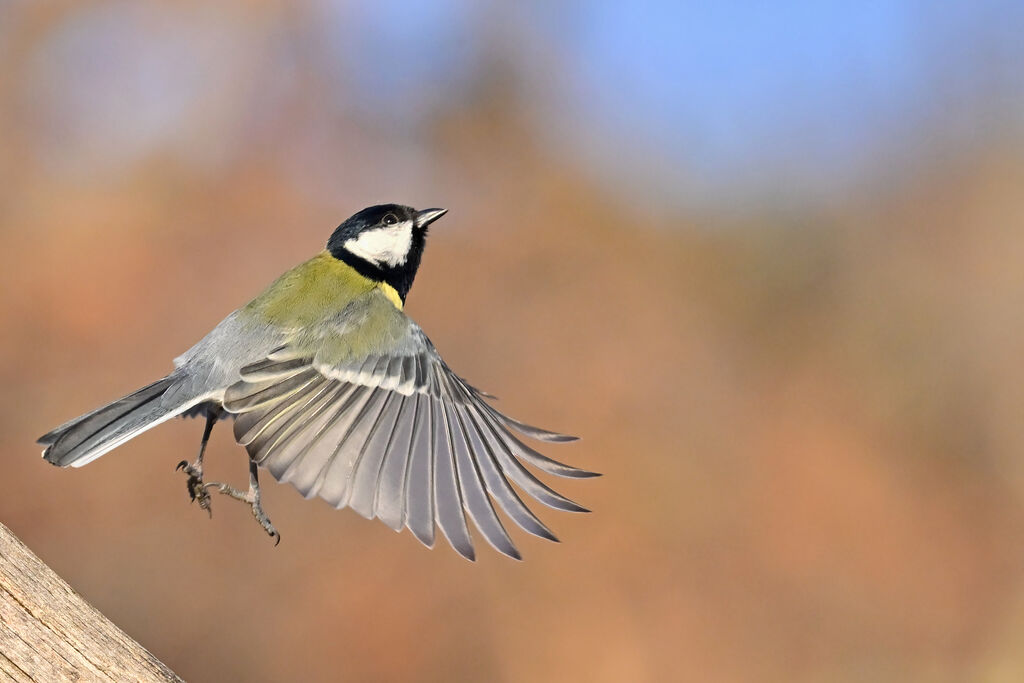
[196,489]
[252,497]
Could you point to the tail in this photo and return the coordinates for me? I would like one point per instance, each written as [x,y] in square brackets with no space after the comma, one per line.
[86,438]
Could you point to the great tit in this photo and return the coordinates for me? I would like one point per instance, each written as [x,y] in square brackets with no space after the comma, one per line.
[334,389]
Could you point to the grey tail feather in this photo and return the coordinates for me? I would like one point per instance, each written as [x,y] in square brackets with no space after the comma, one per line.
[86,438]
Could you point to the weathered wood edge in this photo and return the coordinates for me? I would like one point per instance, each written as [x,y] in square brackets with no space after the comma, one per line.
[50,633]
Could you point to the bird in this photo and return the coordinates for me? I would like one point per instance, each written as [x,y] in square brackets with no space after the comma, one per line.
[334,389]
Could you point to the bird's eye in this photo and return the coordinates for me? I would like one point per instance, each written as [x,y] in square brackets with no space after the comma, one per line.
[390,219]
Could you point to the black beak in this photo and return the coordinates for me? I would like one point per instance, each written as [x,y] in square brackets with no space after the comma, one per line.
[428,216]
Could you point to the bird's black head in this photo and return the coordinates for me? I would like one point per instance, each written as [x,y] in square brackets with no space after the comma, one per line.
[384,243]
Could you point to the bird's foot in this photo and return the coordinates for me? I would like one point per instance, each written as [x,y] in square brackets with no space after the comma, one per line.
[196,488]
[252,497]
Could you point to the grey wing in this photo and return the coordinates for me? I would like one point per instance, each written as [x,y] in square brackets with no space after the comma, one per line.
[399,437]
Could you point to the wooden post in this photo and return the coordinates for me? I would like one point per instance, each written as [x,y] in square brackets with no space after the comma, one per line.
[49,633]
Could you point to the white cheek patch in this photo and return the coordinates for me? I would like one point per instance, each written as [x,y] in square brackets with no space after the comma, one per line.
[388,245]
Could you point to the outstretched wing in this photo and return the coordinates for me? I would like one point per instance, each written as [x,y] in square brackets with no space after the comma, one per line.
[392,434]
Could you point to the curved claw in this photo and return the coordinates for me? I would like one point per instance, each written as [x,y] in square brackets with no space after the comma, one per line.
[181,465]
[261,517]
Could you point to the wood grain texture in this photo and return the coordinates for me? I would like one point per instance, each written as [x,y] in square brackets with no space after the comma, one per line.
[49,633]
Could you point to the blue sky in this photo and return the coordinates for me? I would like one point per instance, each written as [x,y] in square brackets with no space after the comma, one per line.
[720,92]
[690,100]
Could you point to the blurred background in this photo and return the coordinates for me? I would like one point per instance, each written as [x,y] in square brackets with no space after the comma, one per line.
[767,260]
